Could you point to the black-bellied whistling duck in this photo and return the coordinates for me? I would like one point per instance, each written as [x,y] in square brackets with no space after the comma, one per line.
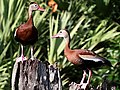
[27,33]
[85,58]
[53,5]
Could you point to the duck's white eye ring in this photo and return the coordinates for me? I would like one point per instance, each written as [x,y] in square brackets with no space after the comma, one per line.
[60,31]
[35,5]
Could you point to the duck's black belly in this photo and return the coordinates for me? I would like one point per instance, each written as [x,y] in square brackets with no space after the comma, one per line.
[27,36]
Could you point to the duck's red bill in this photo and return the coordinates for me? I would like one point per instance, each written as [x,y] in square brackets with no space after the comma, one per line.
[55,36]
[41,9]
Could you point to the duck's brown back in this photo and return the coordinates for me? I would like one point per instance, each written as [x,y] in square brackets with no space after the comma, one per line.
[85,58]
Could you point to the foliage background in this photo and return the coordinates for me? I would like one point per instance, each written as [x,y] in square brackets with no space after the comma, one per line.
[93,25]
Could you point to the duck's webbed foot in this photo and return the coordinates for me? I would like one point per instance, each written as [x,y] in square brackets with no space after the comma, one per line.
[21,58]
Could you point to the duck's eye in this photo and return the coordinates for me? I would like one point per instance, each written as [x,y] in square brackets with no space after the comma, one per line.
[35,5]
[60,31]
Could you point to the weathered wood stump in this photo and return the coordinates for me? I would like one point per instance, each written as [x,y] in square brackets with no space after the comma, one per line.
[35,75]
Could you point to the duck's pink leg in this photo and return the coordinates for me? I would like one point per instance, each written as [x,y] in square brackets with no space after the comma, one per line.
[90,74]
[21,58]
[83,85]
[32,50]
[83,78]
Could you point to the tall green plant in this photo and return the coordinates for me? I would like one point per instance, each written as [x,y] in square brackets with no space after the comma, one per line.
[13,13]
[10,14]
[87,31]
[84,31]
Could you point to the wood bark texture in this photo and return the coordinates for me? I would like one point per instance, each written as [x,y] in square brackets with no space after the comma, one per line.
[35,75]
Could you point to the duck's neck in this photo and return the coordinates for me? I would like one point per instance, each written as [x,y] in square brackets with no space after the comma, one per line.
[30,12]
[30,15]
[67,46]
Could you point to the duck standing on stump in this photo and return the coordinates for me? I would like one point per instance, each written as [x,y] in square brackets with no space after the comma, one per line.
[84,58]
[27,33]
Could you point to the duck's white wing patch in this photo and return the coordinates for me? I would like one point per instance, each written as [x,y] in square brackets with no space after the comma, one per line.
[15,32]
[91,58]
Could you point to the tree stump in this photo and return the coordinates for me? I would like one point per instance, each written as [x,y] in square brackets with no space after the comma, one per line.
[35,75]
